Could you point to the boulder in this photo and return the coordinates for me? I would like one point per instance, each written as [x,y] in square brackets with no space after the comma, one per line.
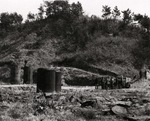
[120,111]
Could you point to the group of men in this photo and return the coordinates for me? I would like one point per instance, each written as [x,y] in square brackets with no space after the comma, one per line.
[112,83]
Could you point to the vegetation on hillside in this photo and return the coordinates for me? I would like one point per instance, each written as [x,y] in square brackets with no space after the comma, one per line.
[118,41]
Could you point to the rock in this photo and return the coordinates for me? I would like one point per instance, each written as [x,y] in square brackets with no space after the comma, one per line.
[88,103]
[62,99]
[72,99]
[99,105]
[124,103]
[120,111]
[142,83]
[139,118]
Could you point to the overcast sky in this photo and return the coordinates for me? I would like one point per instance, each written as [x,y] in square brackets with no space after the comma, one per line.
[91,7]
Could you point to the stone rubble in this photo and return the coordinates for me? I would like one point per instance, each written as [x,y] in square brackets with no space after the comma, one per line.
[125,103]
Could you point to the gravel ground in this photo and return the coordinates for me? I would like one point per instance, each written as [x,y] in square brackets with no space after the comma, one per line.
[22,103]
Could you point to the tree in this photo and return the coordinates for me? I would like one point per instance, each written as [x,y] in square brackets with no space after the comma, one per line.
[143,20]
[141,52]
[79,36]
[41,11]
[63,10]
[31,16]
[106,12]
[138,17]
[127,17]
[5,21]
[16,18]
[10,20]
[57,9]
[116,13]
[76,9]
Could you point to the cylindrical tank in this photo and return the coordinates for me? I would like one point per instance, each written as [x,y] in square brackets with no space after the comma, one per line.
[58,81]
[41,73]
[27,76]
[50,81]
[34,72]
[45,80]
[15,74]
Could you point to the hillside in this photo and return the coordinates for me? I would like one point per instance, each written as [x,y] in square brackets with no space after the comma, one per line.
[107,53]
[65,36]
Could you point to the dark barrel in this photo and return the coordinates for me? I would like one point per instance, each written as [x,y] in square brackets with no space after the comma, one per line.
[50,81]
[34,73]
[41,73]
[27,76]
[45,80]
[58,81]
[15,74]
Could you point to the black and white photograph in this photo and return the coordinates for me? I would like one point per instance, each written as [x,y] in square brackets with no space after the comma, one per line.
[74,60]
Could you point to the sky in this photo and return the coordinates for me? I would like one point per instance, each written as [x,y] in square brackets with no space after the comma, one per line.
[90,7]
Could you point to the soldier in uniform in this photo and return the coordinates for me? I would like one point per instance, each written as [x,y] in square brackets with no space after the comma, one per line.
[119,79]
[109,83]
[112,83]
[102,83]
[106,83]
